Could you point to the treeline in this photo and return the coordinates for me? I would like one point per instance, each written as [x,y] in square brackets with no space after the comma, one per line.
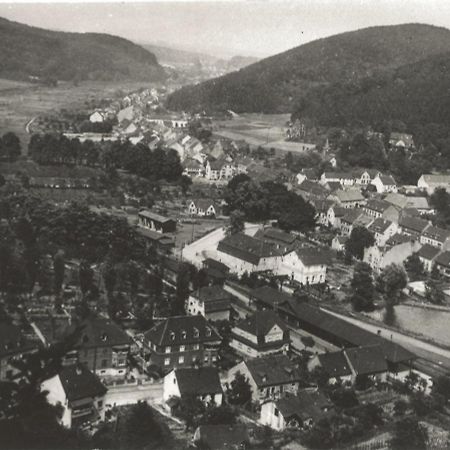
[50,149]
[269,200]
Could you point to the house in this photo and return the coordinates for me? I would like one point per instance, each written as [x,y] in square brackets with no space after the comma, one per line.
[354,218]
[306,174]
[212,302]
[382,230]
[97,117]
[397,249]
[334,364]
[192,168]
[404,201]
[437,237]
[260,334]
[412,226]
[202,383]
[219,169]
[345,178]
[384,183]
[103,347]
[430,183]
[350,198]
[216,272]
[79,393]
[162,243]
[365,176]
[182,341]
[222,437]
[156,222]
[335,215]
[380,208]
[203,207]
[427,254]
[310,190]
[338,243]
[442,262]
[13,346]
[280,239]
[305,265]
[322,208]
[125,114]
[295,411]
[333,186]
[401,140]
[368,361]
[269,376]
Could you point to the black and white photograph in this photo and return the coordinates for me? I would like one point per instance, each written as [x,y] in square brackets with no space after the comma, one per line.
[225,225]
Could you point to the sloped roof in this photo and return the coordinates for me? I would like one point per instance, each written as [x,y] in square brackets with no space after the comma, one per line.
[429,252]
[79,382]
[12,340]
[413,223]
[350,195]
[274,234]
[260,323]
[437,179]
[305,405]
[153,216]
[334,364]
[397,239]
[272,370]
[388,180]
[312,187]
[322,205]
[443,259]
[379,225]
[367,360]
[270,296]
[310,256]
[403,201]
[406,138]
[352,214]
[215,298]
[436,233]
[338,175]
[378,205]
[170,331]
[198,381]
[223,437]
[204,203]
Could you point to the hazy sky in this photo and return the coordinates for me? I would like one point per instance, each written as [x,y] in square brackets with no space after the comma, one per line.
[253,27]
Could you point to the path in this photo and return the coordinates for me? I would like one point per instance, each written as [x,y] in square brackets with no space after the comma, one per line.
[130,394]
[27,126]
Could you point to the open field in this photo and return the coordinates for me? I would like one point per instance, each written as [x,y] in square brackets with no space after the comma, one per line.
[21,102]
[265,130]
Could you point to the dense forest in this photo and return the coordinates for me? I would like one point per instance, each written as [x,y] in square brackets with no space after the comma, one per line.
[276,84]
[28,51]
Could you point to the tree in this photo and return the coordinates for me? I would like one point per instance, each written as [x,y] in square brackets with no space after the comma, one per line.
[414,267]
[239,392]
[400,407]
[409,434]
[185,183]
[297,214]
[433,293]
[362,288]
[218,415]
[440,200]
[391,281]
[58,269]
[85,276]
[360,239]
[237,222]
[10,147]
[182,289]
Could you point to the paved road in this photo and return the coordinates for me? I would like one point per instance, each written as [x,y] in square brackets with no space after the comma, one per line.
[125,395]
[424,350]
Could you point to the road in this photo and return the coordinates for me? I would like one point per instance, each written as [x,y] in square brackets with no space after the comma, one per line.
[425,351]
[125,395]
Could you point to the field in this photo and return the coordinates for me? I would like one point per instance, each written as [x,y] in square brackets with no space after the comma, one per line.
[265,130]
[21,102]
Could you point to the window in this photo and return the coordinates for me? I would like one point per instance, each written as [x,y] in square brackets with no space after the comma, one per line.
[172,336]
[276,412]
[167,361]
[168,349]
[205,359]
[208,331]
[181,360]
[183,334]
[182,348]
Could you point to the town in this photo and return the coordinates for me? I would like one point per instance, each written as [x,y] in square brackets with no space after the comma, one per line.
[224,280]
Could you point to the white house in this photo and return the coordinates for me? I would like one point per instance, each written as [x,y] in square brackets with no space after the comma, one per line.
[385,183]
[427,255]
[212,302]
[305,265]
[345,178]
[437,237]
[430,183]
[97,117]
[79,392]
[382,230]
[202,207]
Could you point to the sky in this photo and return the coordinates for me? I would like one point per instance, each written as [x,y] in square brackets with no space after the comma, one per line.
[227,28]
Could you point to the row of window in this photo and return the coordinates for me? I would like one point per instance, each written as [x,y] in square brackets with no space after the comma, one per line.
[181,360]
[182,348]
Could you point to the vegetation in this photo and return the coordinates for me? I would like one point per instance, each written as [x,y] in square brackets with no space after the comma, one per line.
[50,55]
[362,288]
[360,239]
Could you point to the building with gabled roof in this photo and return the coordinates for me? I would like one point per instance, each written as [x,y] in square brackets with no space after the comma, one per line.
[202,207]
[401,140]
[260,334]
[427,254]
[404,201]
[382,230]
[381,208]
[282,240]
[345,178]
[350,198]
[182,341]
[79,392]
[384,183]
[431,182]
[436,236]
[222,437]
[412,226]
[310,190]
[156,222]
[269,376]
[212,302]
[354,218]
[334,364]
[369,361]
[442,262]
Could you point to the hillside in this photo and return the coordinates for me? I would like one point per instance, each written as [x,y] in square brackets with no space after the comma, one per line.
[28,51]
[416,93]
[277,83]
[170,55]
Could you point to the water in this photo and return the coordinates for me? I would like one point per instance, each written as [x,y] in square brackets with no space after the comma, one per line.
[431,323]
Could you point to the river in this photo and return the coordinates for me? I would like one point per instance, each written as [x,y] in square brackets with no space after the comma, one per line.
[430,323]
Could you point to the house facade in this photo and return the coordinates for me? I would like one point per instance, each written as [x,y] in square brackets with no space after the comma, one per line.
[212,302]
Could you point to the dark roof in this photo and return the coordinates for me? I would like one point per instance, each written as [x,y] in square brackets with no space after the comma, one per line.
[443,259]
[260,323]
[379,225]
[378,205]
[12,340]
[247,248]
[204,203]
[310,256]
[312,187]
[387,180]
[429,252]
[367,360]
[413,223]
[397,239]
[79,382]
[275,235]
[305,405]
[223,437]
[334,364]
[215,298]
[214,264]
[170,331]
[100,332]
[323,205]
[436,233]
[156,217]
[351,215]
[339,175]
[270,296]
[198,381]
[155,236]
[272,370]
[334,185]
[339,211]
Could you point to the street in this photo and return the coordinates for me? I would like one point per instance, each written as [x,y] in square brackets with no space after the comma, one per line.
[129,394]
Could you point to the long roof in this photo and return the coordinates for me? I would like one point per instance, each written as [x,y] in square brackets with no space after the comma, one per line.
[429,252]
[437,179]
[367,360]
[436,233]
[379,225]
[310,256]
[378,205]
[153,216]
[79,382]
[413,223]
[260,323]
[335,364]
[198,381]
[305,405]
[443,259]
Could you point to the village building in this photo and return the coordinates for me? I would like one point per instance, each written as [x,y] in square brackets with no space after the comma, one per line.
[193,168]
[322,207]
[305,265]
[334,364]
[270,377]
[280,239]
[97,117]
[222,437]
[203,207]
[299,411]
[401,140]
[261,334]
[335,215]
[350,198]
[79,393]
[310,190]
[201,383]
[345,178]
[382,230]
[427,255]
[403,201]
[442,263]
[437,237]
[338,243]
[380,208]
[182,341]
[354,218]
[384,183]
[212,302]
[430,183]
[412,226]
[156,222]
[364,177]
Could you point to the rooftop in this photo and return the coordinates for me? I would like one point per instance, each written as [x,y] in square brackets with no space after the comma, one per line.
[379,225]
[367,360]
[79,382]
[413,223]
[305,405]
[260,323]
[153,216]
[429,252]
[198,381]
[313,256]
[335,364]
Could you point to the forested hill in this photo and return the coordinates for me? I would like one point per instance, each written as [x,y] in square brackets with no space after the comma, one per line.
[28,51]
[416,94]
[277,84]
